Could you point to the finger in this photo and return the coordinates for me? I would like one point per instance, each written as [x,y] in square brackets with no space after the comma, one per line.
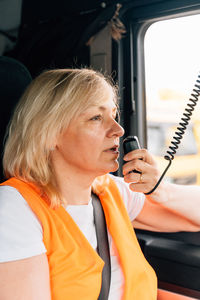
[135,164]
[133,177]
[143,185]
[146,181]
[139,187]
[141,154]
[143,182]
[129,167]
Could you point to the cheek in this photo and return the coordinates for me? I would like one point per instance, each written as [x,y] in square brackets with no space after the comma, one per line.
[90,139]
[89,147]
[85,147]
[82,144]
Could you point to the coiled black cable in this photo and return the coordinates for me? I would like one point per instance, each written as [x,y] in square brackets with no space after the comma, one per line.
[180,130]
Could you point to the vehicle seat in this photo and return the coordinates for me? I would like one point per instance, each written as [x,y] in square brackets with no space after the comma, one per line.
[14,78]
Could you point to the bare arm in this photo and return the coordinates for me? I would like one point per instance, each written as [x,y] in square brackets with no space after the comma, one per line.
[170,207]
[25,279]
[183,199]
[157,217]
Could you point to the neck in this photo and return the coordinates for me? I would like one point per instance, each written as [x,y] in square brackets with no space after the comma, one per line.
[74,185]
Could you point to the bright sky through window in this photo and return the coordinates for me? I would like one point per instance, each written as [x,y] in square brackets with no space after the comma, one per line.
[172,66]
[172,55]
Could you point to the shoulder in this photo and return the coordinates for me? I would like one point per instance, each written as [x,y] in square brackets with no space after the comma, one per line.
[133,201]
[20,231]
[11,199]
[12,202]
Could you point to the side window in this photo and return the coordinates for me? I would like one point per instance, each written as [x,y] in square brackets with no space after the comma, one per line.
[172,56]
[165,57]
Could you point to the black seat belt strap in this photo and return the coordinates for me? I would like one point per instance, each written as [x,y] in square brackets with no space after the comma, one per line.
[103,246]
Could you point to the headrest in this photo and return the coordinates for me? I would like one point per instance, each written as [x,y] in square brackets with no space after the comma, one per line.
[14,78]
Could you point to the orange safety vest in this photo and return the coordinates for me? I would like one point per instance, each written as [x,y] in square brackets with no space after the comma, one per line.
[75,267]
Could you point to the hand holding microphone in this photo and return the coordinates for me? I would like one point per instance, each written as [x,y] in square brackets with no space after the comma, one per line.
[140,169]
[129,144]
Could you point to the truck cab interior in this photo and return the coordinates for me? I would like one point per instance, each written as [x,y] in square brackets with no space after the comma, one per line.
[107,36]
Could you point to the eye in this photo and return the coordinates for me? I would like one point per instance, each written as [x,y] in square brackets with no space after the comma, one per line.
[96,118]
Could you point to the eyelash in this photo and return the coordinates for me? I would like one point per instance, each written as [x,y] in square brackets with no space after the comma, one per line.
[96,118]
[99,118]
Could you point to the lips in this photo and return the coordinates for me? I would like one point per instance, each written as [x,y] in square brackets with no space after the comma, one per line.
[114,149]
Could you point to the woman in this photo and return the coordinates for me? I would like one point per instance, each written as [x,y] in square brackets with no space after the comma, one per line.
[63,141]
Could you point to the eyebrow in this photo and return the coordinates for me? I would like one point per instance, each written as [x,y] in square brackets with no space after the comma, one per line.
[102,108]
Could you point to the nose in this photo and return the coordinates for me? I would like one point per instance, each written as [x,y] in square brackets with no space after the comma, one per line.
[116,130]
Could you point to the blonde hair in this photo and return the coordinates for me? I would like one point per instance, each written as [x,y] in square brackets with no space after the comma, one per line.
[46,108]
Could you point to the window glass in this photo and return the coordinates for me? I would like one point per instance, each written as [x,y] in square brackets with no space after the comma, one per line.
[172,64]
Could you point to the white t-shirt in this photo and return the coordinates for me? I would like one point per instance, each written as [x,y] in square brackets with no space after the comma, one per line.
[21,234]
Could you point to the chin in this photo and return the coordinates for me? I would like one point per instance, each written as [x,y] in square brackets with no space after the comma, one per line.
[112,168]
[115,168]
[107,168]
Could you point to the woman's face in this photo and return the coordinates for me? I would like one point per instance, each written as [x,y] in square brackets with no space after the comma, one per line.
[91,141]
